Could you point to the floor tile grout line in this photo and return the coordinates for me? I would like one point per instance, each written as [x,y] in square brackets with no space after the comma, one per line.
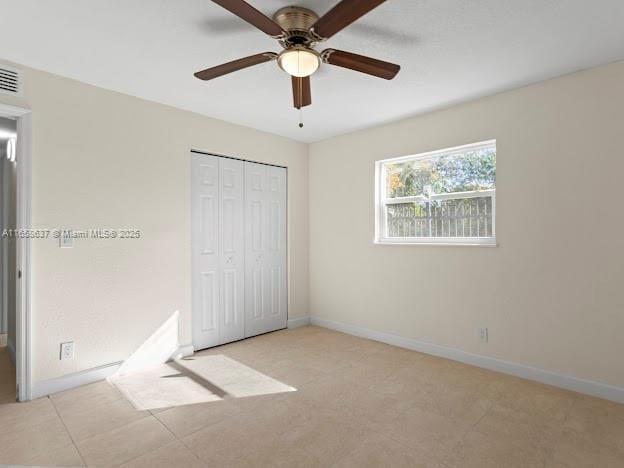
[576,401]
[383,435]
[96,405]
[559,438]
[469,430]
[236,415]
[400,442]
[68,432]
[550,451]
[121,426]
[145,453]
[141,454]
[449,452]
[180,440]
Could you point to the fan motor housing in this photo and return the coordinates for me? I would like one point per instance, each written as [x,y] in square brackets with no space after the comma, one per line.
[296,23]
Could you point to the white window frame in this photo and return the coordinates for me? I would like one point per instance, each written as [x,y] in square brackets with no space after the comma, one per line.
[381,201]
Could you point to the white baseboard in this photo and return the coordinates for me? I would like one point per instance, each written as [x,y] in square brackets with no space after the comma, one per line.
[298,322]
[184,351]
[11,348]
[67,382]
[589,387]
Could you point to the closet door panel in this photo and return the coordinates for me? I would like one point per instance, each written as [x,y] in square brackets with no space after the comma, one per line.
[275,257]
[205,250]
[265,298]
[255,241]
[232,254]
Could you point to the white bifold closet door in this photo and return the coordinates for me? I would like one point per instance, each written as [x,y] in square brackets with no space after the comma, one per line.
[238,249]
[265,249]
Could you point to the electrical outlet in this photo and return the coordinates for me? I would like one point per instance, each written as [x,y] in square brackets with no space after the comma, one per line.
[483,335]
[67,350]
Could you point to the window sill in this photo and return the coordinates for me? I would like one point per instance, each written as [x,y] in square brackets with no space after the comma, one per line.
[439,242]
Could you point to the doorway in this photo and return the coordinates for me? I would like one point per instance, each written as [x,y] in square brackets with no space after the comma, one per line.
[8,259]
[15,157]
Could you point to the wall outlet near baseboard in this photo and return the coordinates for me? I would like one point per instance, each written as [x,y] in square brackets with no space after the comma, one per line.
[67,350]
[483,335]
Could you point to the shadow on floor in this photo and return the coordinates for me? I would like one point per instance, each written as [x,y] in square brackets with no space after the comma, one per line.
[199,380]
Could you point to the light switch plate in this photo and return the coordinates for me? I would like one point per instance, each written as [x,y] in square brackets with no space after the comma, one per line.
[67,350]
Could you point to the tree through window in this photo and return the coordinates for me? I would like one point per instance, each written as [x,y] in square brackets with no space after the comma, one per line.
[445,196]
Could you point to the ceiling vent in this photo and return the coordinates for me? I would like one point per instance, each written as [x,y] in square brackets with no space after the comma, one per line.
[10,81]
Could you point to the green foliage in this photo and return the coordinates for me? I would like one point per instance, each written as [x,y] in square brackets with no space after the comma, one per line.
[475,170]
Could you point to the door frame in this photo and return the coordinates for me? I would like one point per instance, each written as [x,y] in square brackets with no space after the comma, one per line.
[208,153]
[23,322]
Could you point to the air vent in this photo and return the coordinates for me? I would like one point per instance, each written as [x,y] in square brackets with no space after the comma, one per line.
[10,81]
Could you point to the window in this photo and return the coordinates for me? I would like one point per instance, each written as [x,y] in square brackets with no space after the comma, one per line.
[442,197]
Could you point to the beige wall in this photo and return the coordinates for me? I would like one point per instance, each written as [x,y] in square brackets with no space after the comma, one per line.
[552,292]
[103,159]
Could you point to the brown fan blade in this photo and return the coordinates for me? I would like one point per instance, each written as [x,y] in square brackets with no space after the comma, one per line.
[302,94]
[370,66]
[342,15]
[254,17]
[224,69]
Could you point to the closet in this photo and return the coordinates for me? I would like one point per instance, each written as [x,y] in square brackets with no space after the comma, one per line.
[239,276]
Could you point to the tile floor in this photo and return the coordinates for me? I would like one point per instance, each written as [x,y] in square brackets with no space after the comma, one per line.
[358,403]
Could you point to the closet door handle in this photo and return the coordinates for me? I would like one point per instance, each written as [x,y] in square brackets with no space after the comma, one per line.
[230,259]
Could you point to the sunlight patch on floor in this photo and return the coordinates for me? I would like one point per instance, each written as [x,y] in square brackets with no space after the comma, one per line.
[195,380]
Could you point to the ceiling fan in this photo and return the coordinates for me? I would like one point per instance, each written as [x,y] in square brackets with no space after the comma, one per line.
[298,31]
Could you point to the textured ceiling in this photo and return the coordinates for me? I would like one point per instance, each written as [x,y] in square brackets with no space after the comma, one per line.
[450,51]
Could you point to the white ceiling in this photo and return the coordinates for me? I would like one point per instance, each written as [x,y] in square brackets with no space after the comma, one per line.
[450,51]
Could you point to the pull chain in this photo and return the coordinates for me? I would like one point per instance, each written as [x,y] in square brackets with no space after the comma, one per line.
[300,95]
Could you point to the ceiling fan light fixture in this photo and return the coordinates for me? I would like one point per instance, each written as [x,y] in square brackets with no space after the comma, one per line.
[298,31]
[299,61]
